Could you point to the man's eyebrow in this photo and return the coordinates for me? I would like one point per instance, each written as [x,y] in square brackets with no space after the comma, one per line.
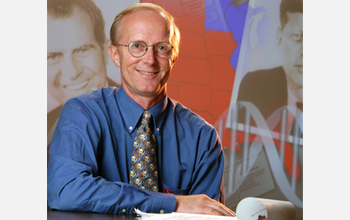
[51,54]
[85,46]
[54,53]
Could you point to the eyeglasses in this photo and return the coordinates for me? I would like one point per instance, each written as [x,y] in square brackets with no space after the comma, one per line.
[139,48]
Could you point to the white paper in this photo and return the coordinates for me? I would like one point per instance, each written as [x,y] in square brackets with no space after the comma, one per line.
[181,216]
[144,214]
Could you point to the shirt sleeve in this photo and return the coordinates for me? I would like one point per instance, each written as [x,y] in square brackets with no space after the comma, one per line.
[208,174]
[73,183]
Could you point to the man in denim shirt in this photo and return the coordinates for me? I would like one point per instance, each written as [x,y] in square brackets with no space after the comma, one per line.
[90,154]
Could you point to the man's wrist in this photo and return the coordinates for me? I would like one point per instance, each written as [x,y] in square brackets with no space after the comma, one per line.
[162,203]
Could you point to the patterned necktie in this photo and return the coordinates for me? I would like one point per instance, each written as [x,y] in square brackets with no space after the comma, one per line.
[143,172]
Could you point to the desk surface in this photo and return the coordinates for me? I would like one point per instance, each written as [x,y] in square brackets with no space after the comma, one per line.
[59,215]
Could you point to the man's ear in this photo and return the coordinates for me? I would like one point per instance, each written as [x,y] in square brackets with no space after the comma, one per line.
[105,51]
[174,59]
[279,36]
[114,54]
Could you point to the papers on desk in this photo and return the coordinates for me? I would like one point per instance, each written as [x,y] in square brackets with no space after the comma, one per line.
[181,216]
[248,209]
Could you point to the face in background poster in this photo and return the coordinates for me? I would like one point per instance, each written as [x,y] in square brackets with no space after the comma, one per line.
[77,51]
[265,117]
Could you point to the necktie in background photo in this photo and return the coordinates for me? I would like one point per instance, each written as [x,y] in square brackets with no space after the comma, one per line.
[143,172]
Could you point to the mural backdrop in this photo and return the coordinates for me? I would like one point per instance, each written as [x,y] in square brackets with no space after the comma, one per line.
[240,68]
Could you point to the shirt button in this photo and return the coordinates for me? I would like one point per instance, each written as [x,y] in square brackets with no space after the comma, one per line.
[123,210]
[157,129]
[161,211]
[130,128]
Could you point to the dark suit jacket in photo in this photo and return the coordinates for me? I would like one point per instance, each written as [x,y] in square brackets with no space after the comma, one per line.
[266,89]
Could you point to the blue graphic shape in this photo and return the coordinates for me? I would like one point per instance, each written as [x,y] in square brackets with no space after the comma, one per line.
[223,15]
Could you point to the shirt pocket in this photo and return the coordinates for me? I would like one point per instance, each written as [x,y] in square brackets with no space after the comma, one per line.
[175,191]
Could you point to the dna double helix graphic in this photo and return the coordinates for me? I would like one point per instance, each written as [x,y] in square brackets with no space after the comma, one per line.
[264,140]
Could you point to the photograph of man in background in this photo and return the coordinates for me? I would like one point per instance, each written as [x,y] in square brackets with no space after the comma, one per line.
[271,89]
[76,54]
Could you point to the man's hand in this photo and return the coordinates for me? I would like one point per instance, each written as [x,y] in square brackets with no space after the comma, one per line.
[201,204]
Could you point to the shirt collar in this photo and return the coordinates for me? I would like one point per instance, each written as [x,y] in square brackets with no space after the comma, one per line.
[131,111]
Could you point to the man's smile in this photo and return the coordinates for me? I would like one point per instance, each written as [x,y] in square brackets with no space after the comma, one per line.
[77,86]
[147,73]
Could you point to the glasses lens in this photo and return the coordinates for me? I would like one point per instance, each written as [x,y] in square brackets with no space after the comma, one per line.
[137,48]
[163,49]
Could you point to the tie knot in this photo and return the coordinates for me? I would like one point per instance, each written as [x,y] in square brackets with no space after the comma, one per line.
[146,117]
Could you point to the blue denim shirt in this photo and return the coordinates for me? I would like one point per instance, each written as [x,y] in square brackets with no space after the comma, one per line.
[90,155]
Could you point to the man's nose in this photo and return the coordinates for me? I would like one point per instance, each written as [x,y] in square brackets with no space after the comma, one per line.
[71,68]
[150,56]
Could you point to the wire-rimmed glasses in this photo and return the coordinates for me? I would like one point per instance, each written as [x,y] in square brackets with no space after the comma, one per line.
[139,48]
